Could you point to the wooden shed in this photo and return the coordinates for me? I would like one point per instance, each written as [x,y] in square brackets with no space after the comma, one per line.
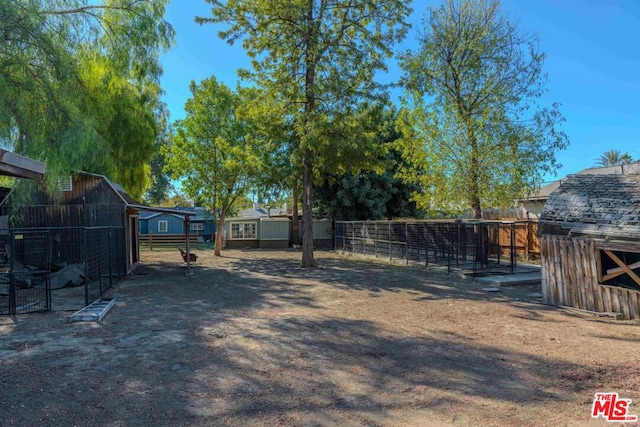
[590,244]
[82,200]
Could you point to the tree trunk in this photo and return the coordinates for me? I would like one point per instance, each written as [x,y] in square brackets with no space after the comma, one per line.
[307,212]
[217,249]
[217,246]
[295,220]
[475,203]
[309,111]
[474,196]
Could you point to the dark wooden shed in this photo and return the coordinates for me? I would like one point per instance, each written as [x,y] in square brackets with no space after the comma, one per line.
[82,200]
[590,244]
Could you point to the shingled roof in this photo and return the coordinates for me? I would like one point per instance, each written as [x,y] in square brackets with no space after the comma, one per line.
[603,206]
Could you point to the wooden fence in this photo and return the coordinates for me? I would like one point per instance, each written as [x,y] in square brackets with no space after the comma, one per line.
[526,240]
[164,241]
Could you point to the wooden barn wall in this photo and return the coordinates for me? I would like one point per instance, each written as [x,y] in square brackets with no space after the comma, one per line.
[570,278]
[94,190]
[65,216]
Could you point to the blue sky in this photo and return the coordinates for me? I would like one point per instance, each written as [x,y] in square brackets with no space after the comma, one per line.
[593,66]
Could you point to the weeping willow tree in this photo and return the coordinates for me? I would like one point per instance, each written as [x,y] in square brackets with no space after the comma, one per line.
[79,84]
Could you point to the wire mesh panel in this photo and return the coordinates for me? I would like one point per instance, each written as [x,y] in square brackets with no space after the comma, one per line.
[60,268]
[369,244]
[470,245]
[24,280]
[105,261]
[416,249]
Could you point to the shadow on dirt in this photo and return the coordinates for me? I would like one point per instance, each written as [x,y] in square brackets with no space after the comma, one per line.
[220,348]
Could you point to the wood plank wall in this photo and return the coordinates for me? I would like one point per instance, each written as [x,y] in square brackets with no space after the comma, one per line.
[570,278]
[65,216]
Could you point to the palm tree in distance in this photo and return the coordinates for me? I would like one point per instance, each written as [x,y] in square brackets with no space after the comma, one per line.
[614,158]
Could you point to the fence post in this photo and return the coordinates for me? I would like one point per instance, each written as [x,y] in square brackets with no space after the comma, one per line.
[47,280]
[353,236]
[389,239]
[110,262]
[528,241]
[425,235]
[86,274]
[513,246]
[375,240]
[406,242]
[364,238]
[12,280]
[151,241]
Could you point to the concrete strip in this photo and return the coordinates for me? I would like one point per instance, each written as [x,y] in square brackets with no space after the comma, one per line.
[517,279]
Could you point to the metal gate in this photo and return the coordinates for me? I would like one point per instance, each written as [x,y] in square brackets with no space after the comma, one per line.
[25,275]
[32,262]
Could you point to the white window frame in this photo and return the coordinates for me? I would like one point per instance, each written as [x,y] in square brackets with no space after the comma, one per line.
[65,183]
[239,231]
[163,224]
[197,226]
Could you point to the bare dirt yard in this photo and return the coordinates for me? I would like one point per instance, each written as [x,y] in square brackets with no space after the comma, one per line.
[250,339]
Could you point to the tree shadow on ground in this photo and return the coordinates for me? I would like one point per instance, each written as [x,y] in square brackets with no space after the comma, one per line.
[247,344]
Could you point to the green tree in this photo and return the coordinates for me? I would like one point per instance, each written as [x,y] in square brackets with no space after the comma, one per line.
[176,200]
[367,196]
[79,84]
[213,151]
[282,166]
[614,158]
[161,185]
[371,194]
[320,58]
[471,123]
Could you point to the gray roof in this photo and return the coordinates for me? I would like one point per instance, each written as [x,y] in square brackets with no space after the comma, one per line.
[259,212]
[596,205]
[544,191]
[12,164]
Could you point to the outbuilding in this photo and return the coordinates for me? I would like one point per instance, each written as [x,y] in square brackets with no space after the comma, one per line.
[85,233]
[590,244]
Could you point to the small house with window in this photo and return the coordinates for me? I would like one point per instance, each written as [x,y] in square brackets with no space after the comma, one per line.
[590,244]
[203,224]
[258,227]
[167,223]
[161,223]
[242,233]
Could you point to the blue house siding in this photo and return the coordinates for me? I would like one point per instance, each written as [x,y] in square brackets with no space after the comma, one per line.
[209,227]
[143,225]
[175,224]
[148,224]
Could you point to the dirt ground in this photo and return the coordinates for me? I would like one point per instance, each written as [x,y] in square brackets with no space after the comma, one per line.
[250,339]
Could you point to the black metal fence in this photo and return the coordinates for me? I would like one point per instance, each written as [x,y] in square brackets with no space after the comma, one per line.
[474,245]
[61,268]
